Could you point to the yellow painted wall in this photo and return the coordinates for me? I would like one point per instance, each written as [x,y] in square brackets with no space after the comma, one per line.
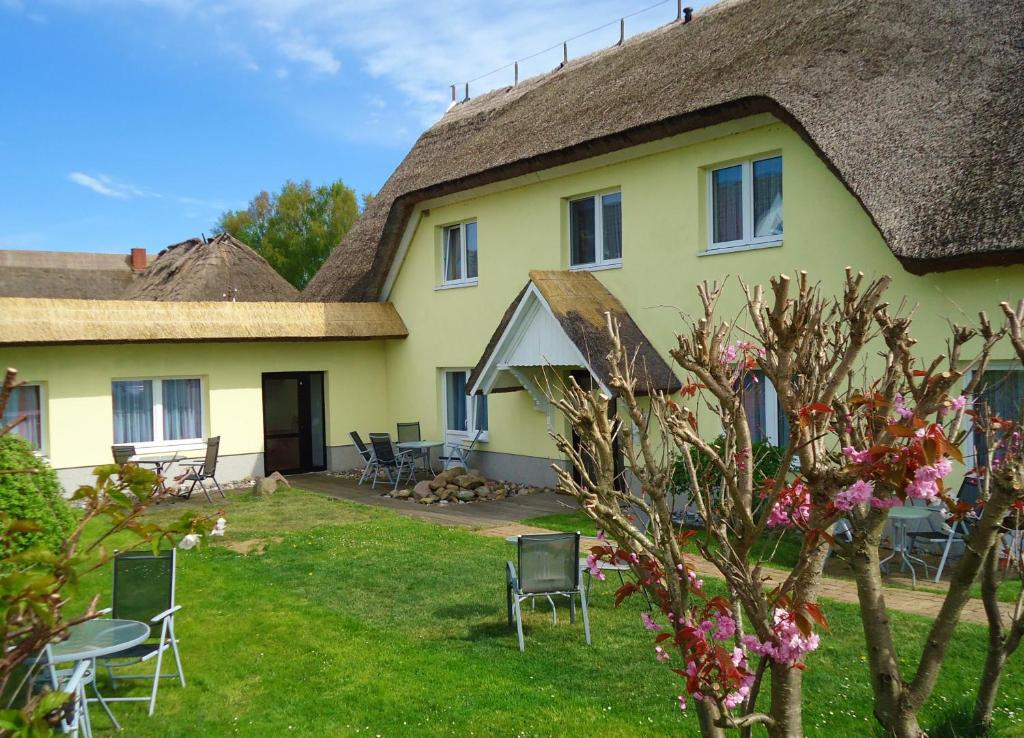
[664,236]
[79,414]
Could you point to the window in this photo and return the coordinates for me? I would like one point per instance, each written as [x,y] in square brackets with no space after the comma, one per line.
[1000,393]
[26,401]
[463,414]
[595,231]
[764,416]
[158,411]
[459,254]
[745,204]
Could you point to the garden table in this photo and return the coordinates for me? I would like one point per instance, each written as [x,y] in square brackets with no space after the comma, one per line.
[421,446]
[901,516]
[159,463]
[91,640]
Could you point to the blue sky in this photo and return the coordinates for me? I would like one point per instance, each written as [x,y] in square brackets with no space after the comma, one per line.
[137,122]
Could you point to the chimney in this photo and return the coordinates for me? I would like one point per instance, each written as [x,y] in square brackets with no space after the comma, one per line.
[138,260]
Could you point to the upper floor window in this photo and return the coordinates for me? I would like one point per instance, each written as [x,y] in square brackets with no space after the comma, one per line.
[158,411]
[26,401]
[459,254]
[595,231]
[745,204]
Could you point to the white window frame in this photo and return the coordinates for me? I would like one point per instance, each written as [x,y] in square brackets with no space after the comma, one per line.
[748,240]
[42,451]
[599,261]
[994,365]
[470,408]
[462,281]
[158,443]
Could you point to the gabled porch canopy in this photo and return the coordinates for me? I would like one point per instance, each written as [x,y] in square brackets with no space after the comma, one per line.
[559,320]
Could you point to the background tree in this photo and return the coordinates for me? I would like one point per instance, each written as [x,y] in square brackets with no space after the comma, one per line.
[297,228]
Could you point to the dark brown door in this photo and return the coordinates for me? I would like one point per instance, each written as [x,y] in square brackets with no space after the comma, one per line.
[293,422]
[586,381]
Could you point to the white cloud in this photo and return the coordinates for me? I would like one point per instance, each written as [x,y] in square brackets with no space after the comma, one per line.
[100,184]
[300,49]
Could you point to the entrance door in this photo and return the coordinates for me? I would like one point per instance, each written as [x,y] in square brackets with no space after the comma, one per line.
[293,422]
[586,382]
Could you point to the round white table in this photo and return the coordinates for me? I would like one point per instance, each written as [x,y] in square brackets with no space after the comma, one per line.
[94,639]
[901,516]
[421,446]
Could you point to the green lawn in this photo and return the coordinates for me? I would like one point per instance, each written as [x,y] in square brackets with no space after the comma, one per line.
[357,621]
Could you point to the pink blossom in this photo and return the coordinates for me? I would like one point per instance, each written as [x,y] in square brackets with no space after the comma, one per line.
[648,622]
[661,654]
[944,466]
[594,568]
[857,457]
[901,409]
[729,354]
[682,701]
[857,493]
[924,486]
[884,502]
[787,644]
[601,535]
[958,403]
[726,627]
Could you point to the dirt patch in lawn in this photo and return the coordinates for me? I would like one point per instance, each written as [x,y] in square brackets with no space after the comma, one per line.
[255,546]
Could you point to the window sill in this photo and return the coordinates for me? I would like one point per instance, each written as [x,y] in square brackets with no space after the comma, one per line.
[164,447]
[741,247]
[616,264]
[464,436]
[457,285]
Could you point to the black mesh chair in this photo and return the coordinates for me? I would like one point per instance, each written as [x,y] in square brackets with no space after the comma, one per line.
[970,491]
[198,471]
[122,454]
[144,591]
[408,432]
[548,567]
[369,461]
[386,459]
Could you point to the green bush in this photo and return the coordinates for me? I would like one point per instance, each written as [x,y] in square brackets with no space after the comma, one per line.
[767,460]
[35,497]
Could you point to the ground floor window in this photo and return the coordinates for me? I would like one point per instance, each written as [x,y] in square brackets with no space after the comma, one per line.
[158,410]
[26,401]
[462,413]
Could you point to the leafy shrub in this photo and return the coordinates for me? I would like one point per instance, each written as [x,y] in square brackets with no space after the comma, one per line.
[767,460]
[34,497]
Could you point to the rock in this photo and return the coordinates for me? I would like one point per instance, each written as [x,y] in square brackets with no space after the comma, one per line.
[443,502]
[452,488]
[266,486]
[469,481]
[527,490]
[403,494]
[437,483]
[454,471]
[428,500]
[465,495]
[500,493]
[421,490]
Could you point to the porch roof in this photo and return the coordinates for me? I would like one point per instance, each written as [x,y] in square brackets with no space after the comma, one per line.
[559,319]
[26,321]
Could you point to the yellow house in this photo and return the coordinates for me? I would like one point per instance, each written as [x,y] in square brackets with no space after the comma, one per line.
[754,139]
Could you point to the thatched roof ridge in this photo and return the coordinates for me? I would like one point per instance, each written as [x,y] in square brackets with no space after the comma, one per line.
[914,105]
[221,268]
[90,276]
[581,303]
[36,321]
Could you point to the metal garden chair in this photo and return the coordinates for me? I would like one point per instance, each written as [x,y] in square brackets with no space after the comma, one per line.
[411,432]
[394,464]
[366,454]
[122,454]
[198,471]
[459,452]
[548,567]
[144,591]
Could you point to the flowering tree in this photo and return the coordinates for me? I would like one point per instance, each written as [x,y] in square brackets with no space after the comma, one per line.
[35,582]
[865,436]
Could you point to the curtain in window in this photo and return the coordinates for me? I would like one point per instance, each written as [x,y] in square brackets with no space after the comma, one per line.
[1002,392]
[471,260]
[452,254]
[768,197]
[611,225]
[727,204]
[481,413]
[456,400]
[754,406]
[183,409]
[133,411]
[582,231]
[25,401]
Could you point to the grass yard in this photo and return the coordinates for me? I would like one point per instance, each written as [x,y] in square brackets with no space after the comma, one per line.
[356,621]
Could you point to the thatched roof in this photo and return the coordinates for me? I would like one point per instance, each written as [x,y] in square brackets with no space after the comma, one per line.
[581,304]
[916,106]
[65,274]
[222,268]
[35,321]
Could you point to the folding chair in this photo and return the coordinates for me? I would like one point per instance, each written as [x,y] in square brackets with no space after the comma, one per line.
[144,591]
[394,464]
[411,432]
[369,461]
[459,452]
[199,470]
[548,567]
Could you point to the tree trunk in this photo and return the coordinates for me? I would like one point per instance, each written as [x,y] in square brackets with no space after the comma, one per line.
[786,702]
[989,687]
[708,715]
